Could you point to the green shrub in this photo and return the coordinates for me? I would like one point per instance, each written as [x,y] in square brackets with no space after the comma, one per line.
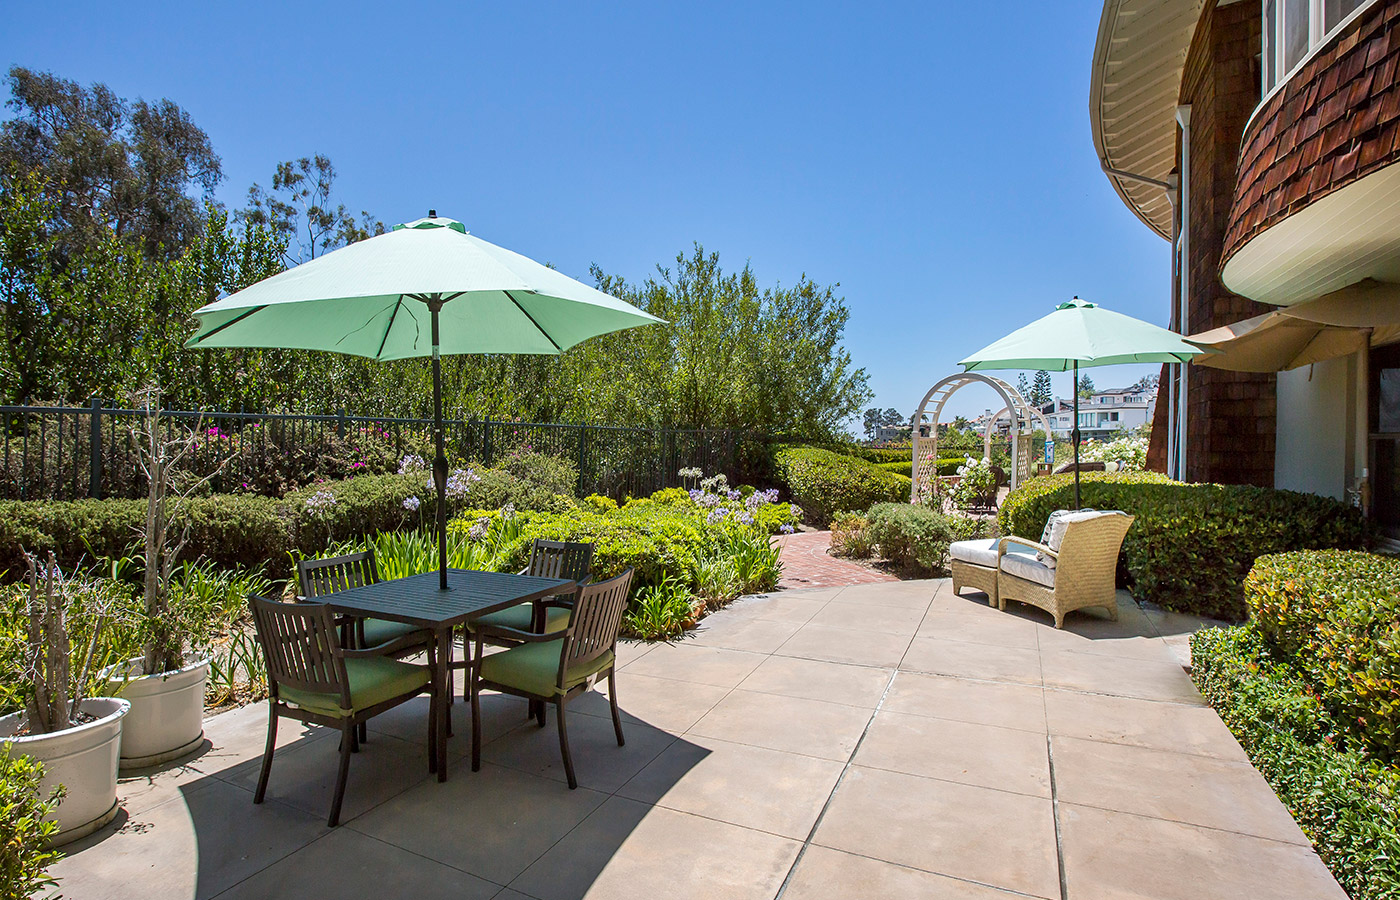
[824,483]
[1347,804]
[915,537]
[1192,544]
[944,466]
[905,468]
[754,558]
[850,536]
[542,472]
[671,496]
[25,829]
[1335,616]
[599,503]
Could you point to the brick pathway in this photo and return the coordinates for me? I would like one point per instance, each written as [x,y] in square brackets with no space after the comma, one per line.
[806,564]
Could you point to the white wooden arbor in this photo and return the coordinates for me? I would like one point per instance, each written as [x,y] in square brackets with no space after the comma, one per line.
[1023,421]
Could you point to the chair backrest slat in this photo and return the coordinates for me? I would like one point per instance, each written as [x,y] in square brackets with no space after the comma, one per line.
[320,577]
[300,647]
[560,559]
[597,617]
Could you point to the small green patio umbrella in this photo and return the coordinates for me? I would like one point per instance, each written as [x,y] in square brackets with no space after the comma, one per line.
[424,289]
[1077,334]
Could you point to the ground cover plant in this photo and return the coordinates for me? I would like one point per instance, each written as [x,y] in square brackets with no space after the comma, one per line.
[1345,799]
[1192,544]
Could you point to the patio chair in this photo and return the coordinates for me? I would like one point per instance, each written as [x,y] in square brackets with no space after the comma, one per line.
[319,577]
[974,565]
[312,678]
[1074,568]
[556,668]
[548,559]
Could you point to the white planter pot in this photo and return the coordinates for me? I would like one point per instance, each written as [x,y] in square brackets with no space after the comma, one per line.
[167,711]
[83,759]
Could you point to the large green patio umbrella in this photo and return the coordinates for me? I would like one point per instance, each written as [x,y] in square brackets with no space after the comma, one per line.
[424,289]
[1077,334]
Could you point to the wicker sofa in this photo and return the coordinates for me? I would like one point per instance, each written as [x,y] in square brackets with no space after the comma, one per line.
[974,564]
[1073,569]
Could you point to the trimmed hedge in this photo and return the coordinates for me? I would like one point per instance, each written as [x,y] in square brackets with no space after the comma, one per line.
[249,530]
[825,483]
[1335,615]
[1346,803]
[944,466]
[1192,544]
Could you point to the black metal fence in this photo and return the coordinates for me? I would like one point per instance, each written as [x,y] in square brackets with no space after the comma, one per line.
[64,453]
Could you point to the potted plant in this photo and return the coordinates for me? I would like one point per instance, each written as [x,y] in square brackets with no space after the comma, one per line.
[76,739]
[166,684]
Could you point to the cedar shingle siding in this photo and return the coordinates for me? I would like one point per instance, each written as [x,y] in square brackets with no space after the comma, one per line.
[1336,120]
[1230,416]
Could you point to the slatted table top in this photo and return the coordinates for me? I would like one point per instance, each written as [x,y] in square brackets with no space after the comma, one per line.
[417,600]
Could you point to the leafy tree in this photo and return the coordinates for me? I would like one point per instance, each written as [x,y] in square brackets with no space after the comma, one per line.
[299,209]
[1041,391]
[1146,383]
[872,419]
[892,417]
[1023,387]
[138,171]
[1086,385]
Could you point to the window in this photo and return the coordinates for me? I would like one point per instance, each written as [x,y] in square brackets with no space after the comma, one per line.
[1334,11]
[1291,28]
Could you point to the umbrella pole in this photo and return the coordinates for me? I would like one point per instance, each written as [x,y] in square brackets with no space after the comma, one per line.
[440,459]
[1074,435]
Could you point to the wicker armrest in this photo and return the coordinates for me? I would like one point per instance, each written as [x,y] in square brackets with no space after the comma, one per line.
[1025,542]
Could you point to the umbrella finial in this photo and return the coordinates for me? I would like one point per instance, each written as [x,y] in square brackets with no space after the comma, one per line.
[432,214]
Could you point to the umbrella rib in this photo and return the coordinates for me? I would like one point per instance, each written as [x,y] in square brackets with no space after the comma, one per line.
[532,321]
[234,321]
[390,327]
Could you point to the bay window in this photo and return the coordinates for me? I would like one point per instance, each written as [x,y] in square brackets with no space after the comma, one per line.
[1293,28]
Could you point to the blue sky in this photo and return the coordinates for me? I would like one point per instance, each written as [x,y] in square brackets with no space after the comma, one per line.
[933,158]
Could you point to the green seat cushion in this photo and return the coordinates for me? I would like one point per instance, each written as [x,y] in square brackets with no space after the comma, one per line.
[534,668]
[372,681]
[379,631]
[521,618]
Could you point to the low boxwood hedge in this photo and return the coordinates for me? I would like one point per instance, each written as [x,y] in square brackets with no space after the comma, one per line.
[1192,544]
[824,483]
[948,465]
[233,530]
[1335,616]
[1347,802]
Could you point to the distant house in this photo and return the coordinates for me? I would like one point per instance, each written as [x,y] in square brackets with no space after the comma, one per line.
[1103,416]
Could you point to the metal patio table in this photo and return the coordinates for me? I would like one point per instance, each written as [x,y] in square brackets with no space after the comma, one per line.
[417,600]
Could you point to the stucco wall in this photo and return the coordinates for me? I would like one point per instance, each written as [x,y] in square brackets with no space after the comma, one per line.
[1316,422]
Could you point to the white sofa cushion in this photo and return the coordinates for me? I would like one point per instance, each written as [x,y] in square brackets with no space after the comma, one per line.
[1024,565]
[982,552]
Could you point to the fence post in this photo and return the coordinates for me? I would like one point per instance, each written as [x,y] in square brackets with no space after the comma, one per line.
[582,457]
[340,423]
[486,442]
[95,450]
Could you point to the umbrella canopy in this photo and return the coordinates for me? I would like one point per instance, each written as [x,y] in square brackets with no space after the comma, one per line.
[1077,334]
[424,289]
[1083,334]
[372,298]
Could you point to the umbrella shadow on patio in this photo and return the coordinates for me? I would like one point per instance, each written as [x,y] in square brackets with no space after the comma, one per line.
[192,830]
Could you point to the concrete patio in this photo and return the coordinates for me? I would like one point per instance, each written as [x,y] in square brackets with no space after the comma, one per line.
[879,740]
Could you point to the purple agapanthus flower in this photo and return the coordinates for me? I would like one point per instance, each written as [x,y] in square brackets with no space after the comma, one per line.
[412,503]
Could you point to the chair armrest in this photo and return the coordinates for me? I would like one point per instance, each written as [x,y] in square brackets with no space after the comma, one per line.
[404,642]
[524,637]
[1024,542]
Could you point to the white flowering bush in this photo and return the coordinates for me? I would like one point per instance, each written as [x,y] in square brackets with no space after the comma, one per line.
[975,481]
[1129,452]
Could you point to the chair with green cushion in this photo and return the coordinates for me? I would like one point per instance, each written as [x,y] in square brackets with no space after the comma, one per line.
[548,559]
[313,679]
[319,577]
[556,667]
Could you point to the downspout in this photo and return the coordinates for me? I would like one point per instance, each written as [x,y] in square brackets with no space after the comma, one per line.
[1183,118]
[1176,406]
